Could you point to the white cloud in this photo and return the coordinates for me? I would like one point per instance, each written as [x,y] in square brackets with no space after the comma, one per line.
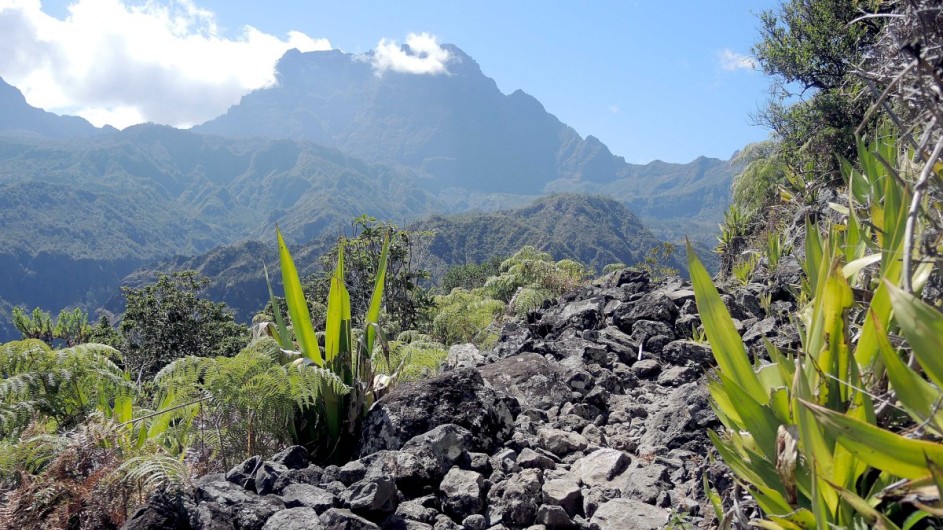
[421,55]
[614,109]
[118,62]
[731,60]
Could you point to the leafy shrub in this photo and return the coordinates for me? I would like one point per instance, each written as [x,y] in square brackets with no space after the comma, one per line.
[168,320]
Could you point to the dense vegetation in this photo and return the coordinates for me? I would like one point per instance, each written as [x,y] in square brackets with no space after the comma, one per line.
[843,431]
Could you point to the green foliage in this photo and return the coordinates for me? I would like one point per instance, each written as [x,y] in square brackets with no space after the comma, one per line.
[764,172]
[657,260]
[817,44]
[347,386]
[246,404]
[412,356]
[56,386]
[169,319]
[465,316]
[472,275]
[406,302]
[743,269]
[802,432]
[69,328]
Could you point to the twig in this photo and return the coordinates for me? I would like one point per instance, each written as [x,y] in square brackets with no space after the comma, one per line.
[159,412]
[919,189]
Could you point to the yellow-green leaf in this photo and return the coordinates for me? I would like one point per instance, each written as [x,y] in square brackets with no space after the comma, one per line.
[297,305]
[923,327]
[882,449]
[725,342]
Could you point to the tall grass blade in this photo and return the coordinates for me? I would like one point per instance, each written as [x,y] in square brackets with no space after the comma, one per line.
[923,327]
[297,305]
[725,342]
[882,449]
[283,337]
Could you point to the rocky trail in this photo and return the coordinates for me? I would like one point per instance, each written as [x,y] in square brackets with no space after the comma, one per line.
[593,414]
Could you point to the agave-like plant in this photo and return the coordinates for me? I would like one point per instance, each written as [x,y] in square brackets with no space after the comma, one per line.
[333,422]
[801,432]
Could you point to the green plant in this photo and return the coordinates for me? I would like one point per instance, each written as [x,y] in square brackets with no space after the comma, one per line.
[802,432]
[657,259]
[167,320]
[743,269]
[775,250]
[406,302]
[346,386]
[57,387]
[464,316]
[69,328]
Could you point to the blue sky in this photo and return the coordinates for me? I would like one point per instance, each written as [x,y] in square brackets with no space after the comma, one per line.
[653,80]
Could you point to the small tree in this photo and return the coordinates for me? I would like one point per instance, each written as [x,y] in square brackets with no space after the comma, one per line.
[167,320]
[406,303]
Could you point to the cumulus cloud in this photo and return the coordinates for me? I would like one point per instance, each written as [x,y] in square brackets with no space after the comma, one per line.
[121,63]
[732,61]
[422,54]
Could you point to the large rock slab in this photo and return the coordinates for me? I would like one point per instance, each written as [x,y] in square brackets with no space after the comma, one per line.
[628,514]
[533,380]
[460,397]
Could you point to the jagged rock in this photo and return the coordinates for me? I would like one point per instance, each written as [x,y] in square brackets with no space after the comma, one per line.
[529,378]
[460,397]
[397,522]
[294,457]
[600,468]
[646,368]
[462,493]
[268,478]
[679,422]
[351,472]
[416,511]
[565,493]
[372,496]
[475,521]
[515,501]
[561,442]
[294,518]
[214,516]
[528,458]
[554,518]
[243,474]
[677,375]
[463,356]
[412,471]
[252,516]
[628,514]
[308,496]
[597,496]
[340,519]
[682,352]
[449,443]
[644,482]
[163,510]
[214,488]
[515,338]
[764,328]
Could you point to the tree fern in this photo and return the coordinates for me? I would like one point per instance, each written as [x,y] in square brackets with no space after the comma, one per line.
[62,385]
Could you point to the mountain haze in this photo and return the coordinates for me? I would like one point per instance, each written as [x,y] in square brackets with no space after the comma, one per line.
[594,230]
[19,117]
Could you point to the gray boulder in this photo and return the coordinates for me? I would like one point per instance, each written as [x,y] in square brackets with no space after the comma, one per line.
[628,514]
[463,493]
[295,519]
[460,397]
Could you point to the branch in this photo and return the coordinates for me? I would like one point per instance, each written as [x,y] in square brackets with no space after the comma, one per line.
[919,189]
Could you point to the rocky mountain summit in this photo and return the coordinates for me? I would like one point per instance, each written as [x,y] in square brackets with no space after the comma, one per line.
[592,414]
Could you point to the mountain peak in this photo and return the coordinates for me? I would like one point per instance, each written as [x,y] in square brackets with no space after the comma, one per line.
[19,117]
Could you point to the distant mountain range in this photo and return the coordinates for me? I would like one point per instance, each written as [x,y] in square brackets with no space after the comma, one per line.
[594,230]
[19,117]
[81,207]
